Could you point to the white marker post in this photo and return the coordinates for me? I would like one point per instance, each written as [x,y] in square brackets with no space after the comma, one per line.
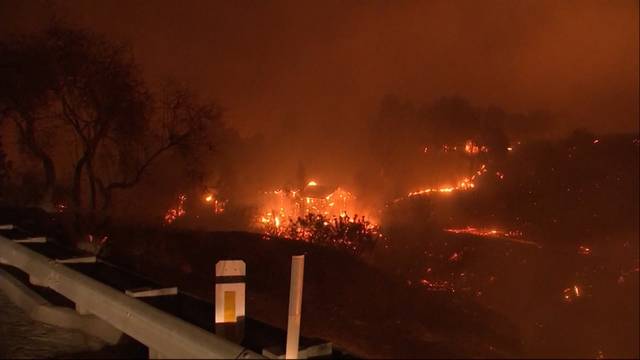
[295,306]
[230,298]
[230,290]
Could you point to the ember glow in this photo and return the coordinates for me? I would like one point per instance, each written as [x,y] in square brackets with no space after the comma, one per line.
[485,232]
[437,285]
[177,211]
[514,236]
[584,250]
[572,294]
[466,183]
[472,148]
[217,205]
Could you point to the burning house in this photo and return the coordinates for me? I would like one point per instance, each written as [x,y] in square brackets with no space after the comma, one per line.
[325,200]
[280,206]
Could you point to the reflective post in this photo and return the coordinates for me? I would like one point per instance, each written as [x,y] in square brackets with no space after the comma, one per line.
[295,305]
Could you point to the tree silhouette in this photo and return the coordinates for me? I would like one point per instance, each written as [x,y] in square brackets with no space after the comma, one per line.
[91,88]
[27,78]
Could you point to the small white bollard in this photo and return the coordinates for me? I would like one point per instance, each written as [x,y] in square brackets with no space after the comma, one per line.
[295,307]
[230,290]
[230,299]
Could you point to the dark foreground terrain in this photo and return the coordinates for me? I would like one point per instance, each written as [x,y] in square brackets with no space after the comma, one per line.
[354,305]
[346,301]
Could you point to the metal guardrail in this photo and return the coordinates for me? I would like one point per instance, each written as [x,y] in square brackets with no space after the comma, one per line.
[165,335]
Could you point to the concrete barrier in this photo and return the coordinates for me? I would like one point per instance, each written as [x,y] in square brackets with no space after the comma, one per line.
[165,335]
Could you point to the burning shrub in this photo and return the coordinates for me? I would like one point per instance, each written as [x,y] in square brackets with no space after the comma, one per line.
[355,235]
[175,212]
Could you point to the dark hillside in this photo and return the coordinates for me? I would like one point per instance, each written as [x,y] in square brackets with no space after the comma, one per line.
[346,301]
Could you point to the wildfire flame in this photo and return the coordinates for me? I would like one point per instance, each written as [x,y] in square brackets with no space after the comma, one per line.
[584,250]
[466,183]
[177,211]
[571,294]
[514,236]
[282,207]
[217,205]
[472,148]
[355,234]
[434,285]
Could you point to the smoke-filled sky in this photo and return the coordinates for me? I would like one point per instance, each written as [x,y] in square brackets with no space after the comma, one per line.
[328,63]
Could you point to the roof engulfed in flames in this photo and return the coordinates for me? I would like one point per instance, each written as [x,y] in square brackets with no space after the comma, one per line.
[285,206]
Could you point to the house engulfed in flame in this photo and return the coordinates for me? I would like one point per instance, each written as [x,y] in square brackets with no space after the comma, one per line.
[281,206]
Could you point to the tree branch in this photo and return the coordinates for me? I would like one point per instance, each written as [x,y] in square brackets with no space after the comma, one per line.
[138,175]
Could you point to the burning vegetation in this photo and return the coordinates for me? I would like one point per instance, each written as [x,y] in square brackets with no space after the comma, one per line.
[217,205]
[318,214]
[515,236]
[281,206]
[466,183]
[355,235]
[177,211]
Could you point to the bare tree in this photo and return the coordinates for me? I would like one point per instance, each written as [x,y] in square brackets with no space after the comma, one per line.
[180,122]
[92,87]
[26,80]
[99,91]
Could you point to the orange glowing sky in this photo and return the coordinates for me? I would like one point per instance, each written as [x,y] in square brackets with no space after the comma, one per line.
[328,63]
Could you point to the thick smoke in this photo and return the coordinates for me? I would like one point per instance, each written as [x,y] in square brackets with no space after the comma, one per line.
[305,84]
